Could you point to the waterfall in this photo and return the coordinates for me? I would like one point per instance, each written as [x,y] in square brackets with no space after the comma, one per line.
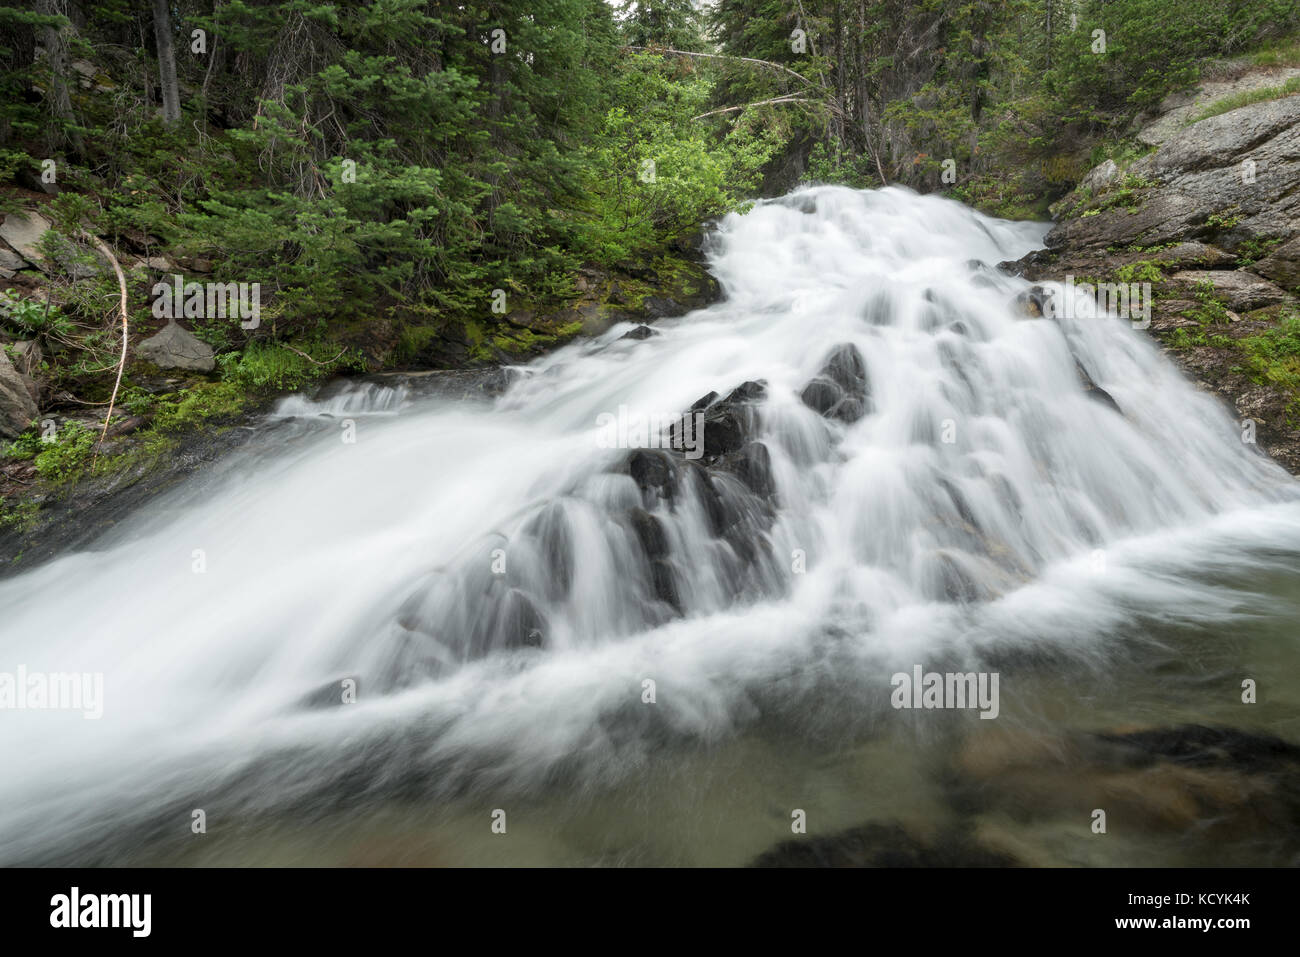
[898,466]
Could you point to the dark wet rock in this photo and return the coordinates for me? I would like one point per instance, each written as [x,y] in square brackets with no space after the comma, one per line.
[649,531]
[654,471]
[550,534]
[1034,302]
[1095,391]
[703,402]
[1037,259]
[841,389]
[846,369]
[726,424]
[710,499]
[640,332]
[657,307]
[821,395]
[754,468]
[664,583]
[724,431]
[517,623]
[747,392]
[881,845]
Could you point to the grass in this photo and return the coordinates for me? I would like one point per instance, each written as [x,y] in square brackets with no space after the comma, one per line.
[1248,97]
[1282,53]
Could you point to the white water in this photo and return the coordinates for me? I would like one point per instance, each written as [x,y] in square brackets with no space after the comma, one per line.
[1075,527]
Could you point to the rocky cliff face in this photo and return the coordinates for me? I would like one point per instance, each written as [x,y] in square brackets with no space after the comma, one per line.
[1211,218]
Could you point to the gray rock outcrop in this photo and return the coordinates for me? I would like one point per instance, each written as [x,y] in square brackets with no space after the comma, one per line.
[175,348]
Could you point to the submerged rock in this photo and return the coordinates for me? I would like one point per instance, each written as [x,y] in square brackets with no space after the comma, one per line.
[882,845]
[1210,785]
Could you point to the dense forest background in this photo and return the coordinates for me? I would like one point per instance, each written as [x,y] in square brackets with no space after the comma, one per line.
[395,169]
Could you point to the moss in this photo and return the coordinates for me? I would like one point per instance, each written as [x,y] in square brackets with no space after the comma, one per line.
[198,406]
[275,366]
[414,340]
[19,517]
[63,459]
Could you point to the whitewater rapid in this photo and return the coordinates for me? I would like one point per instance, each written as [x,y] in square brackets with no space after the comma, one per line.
[410,543]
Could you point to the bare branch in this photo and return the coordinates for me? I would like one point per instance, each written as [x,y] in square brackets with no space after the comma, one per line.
[121,284]
[779,99]
[741,59]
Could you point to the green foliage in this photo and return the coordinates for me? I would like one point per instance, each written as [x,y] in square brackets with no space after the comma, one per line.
[67,454]
[1253,250]
[1146,270]
[263,366]
[1273,357]
[27,446]
[653,170]
[1222,221]
[31,318]
[1212,309]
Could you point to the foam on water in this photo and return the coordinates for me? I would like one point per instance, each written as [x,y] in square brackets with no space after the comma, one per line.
[986,502]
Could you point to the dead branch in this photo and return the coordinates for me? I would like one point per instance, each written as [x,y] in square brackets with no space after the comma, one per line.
[741,59]
[310,359]
[121,284]
[779,99]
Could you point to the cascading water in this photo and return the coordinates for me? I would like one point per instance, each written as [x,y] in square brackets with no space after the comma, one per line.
[899,468]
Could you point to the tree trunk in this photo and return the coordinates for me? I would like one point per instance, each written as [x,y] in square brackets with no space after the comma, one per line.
[162,31]
[56,47]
